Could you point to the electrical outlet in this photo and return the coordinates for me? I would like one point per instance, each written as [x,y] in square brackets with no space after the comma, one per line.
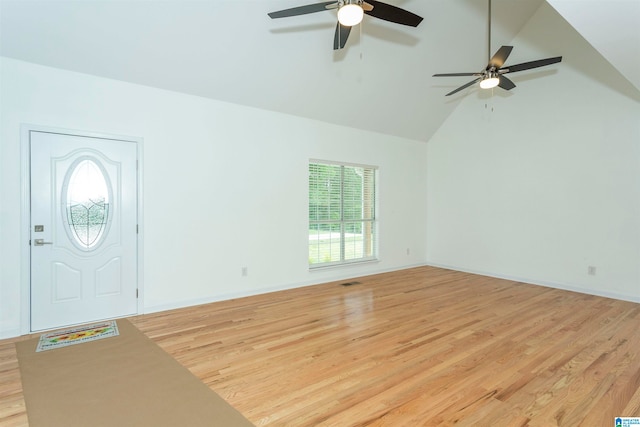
[245,271]
[408,251]
[591,270]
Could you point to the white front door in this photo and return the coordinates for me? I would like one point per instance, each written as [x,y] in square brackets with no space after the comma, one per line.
[83,229]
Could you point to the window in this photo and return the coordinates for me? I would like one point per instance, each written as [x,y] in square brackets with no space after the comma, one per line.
[86,203]
[342,213]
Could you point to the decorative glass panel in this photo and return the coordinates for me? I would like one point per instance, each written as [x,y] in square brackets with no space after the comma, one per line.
[87,203]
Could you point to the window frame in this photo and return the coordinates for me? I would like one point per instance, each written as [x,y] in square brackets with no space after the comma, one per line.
[371,235]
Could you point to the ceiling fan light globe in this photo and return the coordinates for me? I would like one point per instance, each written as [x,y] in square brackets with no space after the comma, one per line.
[350,15]
[489,83]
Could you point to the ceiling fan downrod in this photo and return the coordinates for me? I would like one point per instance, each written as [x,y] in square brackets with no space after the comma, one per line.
[489,32]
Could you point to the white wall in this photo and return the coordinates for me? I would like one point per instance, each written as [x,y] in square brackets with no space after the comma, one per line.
[541,182]
[225,186]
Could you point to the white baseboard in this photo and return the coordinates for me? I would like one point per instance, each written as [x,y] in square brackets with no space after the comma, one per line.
[554,285]
[225,297]
[9,333]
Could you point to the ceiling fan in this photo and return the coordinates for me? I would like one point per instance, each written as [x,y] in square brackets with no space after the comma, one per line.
[494,73]
[350,13]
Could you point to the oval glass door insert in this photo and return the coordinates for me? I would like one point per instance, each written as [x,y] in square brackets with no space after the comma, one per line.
[87,203]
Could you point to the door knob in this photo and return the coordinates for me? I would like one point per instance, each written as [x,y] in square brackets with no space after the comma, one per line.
[41,242]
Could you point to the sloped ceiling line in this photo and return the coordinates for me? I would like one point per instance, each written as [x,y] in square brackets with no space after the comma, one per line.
[612,27]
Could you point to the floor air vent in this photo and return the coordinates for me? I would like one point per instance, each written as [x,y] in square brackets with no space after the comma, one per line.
[350,283]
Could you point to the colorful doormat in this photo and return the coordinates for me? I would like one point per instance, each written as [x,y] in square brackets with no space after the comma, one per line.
[127,380]
[79,335]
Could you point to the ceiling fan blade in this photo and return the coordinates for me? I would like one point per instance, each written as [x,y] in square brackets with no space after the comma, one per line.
[505,83]
[394,14]
[500,57]
[457,74]
[463,87]
[303,10]
[341,36]
[530,65]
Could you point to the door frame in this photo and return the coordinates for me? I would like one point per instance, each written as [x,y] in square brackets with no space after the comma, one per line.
[25,215]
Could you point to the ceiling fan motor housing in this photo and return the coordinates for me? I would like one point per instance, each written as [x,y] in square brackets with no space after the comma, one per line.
[346,2]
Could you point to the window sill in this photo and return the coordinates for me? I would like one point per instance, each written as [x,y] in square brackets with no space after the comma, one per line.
[343,264]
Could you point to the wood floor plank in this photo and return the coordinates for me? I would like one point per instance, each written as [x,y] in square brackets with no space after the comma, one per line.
[423,346]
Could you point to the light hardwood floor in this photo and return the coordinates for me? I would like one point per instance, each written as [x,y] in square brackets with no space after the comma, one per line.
[424,346]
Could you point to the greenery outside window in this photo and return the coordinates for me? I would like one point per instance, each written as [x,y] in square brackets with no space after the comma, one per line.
[342,213]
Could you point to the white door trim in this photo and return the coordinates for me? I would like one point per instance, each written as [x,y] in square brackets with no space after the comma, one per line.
[25,216]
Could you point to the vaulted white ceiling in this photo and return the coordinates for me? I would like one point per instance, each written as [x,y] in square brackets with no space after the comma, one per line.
[230,50]
[612,27]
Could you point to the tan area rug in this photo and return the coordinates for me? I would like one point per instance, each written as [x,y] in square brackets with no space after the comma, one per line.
[124,380]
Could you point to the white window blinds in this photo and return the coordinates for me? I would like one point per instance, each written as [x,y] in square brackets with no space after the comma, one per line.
[342,213]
